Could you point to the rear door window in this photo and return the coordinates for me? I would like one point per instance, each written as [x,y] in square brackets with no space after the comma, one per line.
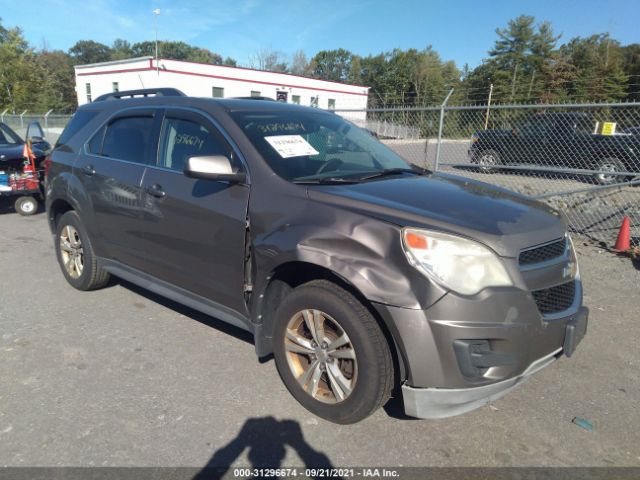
[128,139]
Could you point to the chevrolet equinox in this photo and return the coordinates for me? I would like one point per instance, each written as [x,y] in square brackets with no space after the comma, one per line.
[361,273]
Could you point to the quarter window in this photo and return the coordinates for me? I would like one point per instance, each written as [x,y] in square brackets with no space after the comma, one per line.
[95,144]
[182,139]
[127,139]
[79,120]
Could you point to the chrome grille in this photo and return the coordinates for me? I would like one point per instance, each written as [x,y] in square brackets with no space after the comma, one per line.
[555,299]
[543,253]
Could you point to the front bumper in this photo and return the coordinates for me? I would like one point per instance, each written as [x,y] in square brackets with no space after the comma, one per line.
[447,402]
[437,381]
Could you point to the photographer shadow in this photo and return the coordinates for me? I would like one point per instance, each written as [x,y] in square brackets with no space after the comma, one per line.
[267,439]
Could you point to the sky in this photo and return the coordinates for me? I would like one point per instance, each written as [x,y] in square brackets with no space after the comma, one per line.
[459,30]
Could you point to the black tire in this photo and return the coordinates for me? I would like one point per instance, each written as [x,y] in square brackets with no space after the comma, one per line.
[487,161]
[91,276]
[26,206]
[373,362]
[609,165]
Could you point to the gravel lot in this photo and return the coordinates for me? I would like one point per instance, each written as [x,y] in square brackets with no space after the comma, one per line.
[121,377]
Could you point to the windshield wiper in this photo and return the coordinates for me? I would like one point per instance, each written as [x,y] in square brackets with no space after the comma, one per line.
[326,181]
[388,172]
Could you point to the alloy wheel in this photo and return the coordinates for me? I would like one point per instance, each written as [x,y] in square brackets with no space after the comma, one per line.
[71,251]
[608,177]
[321,356]
[487,161]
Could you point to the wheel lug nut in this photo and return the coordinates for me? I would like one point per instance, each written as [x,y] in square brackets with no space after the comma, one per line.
[324,345]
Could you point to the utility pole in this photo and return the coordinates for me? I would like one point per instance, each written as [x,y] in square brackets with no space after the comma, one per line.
[513,82]
[486,117]
[156,12]
[533,76]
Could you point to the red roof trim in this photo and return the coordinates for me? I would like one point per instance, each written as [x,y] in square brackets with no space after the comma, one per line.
[179,72]
[258,70]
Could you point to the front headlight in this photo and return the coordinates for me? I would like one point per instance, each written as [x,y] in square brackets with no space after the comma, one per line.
[572,270]
[459,264]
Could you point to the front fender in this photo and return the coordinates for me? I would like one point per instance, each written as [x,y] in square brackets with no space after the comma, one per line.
[366,253]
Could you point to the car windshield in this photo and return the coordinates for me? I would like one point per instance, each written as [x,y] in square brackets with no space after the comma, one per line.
[8,136]
[306,146]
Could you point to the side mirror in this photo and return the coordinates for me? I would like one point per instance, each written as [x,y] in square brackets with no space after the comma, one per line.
[214,167]
[36,139]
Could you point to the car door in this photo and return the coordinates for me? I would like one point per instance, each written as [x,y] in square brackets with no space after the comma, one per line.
[195,228]
[111,172]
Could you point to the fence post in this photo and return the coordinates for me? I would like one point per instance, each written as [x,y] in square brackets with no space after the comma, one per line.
[444,104]
[46,121]
[21,122]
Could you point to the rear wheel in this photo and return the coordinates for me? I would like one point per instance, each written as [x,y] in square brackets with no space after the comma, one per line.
[488,160]
[26,206]
[75,255]
[608,168]
[331,353]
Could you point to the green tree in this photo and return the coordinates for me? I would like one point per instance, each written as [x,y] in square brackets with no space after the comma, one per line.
[88,51]
[19,74]
[56,87]
[121,49]
[176,51]
[599,74]
[631,66]
[332,65]
[230,62]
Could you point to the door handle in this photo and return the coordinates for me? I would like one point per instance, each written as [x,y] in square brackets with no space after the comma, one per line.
[155,190]
[88,170]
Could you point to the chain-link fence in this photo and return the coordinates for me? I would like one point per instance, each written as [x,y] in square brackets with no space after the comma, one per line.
[52,124]
[582,159]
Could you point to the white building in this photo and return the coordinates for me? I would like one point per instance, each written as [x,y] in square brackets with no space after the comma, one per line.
[205,80]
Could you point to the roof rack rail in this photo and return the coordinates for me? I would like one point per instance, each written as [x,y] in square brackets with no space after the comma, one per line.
[143,92]
[254,98]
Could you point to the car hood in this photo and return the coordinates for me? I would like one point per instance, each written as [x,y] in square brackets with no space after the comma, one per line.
[504,220]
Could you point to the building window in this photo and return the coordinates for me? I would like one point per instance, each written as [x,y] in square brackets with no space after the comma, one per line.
[255,93]
[116,87]
[217,92]
[295,99]
[314,102]
[332,104]
[88,88]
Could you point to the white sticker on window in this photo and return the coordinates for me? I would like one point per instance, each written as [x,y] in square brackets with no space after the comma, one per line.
[289,146]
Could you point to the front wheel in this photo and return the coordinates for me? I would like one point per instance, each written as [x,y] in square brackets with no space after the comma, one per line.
[331,354]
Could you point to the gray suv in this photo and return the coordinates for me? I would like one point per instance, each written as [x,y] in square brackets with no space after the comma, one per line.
[363,275]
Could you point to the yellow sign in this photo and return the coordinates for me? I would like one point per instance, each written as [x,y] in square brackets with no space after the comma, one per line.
[608,128]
